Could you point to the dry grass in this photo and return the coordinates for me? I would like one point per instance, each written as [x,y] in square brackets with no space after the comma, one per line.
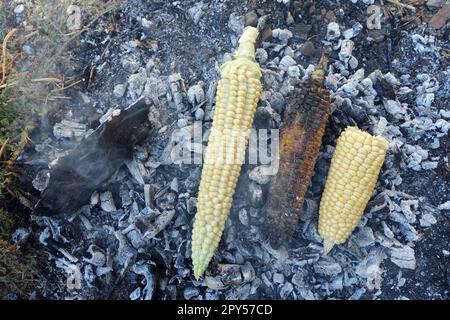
[18,268]
[45,77]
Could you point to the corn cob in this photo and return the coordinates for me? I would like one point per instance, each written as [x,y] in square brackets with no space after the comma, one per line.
[301,137]
[353,173]
[237,96]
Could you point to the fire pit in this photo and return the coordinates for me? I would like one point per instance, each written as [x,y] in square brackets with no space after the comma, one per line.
[114,182]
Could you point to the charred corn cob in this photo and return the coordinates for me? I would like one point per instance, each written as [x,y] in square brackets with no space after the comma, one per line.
[353,174]
[237,95]
[301,136]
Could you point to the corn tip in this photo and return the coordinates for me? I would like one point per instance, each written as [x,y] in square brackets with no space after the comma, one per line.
[250,34]
[320,69]
[246,49]
[327,246]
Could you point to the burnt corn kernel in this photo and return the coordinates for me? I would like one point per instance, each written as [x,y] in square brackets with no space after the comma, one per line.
[301,136]
[354,170]
[237,96]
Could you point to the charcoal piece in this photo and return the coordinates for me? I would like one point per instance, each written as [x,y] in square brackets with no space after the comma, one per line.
[222,276]
[87,167]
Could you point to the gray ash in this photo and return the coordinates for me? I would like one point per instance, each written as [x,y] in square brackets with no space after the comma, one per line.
[131,238]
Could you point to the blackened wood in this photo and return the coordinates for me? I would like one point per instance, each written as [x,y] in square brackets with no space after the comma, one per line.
[87,167]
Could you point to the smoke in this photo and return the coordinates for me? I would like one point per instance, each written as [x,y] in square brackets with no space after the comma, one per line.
[87,167]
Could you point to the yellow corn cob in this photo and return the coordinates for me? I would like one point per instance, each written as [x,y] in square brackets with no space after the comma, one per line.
[353,174]
[237,96]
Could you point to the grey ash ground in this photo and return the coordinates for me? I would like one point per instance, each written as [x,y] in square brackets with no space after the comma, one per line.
[393,81]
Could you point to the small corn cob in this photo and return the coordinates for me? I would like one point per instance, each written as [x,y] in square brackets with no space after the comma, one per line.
[237,96]
[301,136]
[353,173]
